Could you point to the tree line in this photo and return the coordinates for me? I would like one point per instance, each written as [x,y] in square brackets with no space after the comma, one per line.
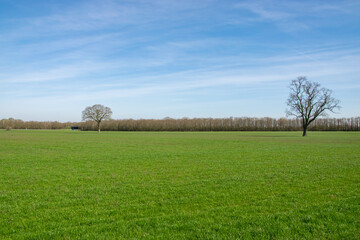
[194,124]
[307,101]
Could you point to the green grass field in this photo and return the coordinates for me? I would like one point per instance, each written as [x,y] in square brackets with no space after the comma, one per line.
[179,185]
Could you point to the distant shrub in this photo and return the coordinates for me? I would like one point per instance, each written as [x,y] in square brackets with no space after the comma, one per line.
[8,128]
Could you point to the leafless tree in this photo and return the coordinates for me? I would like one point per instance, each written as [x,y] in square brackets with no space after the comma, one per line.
[97,113]
[308,101]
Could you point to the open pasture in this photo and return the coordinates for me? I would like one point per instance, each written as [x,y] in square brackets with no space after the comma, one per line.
[177,185]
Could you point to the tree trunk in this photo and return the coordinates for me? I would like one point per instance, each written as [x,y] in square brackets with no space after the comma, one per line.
[304,130]
[98,125]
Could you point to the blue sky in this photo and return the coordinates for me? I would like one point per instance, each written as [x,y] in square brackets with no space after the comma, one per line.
[162,58]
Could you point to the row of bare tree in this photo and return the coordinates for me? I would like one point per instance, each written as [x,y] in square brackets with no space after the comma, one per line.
[20,124]
[307,101]
[195,124]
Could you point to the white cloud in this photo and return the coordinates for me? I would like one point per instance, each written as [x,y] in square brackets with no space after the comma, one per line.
[114,51]
[298,15]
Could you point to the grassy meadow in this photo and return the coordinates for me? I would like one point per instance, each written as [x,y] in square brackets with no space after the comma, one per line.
[179,185]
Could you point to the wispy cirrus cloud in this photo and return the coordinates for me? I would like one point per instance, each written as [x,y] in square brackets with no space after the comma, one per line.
[159,51]
[295,15]
[223,72]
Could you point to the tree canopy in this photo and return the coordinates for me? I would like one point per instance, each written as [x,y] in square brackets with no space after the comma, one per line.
[97,113]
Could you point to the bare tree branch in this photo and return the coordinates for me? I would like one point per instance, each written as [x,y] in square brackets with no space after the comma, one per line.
[308,101]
